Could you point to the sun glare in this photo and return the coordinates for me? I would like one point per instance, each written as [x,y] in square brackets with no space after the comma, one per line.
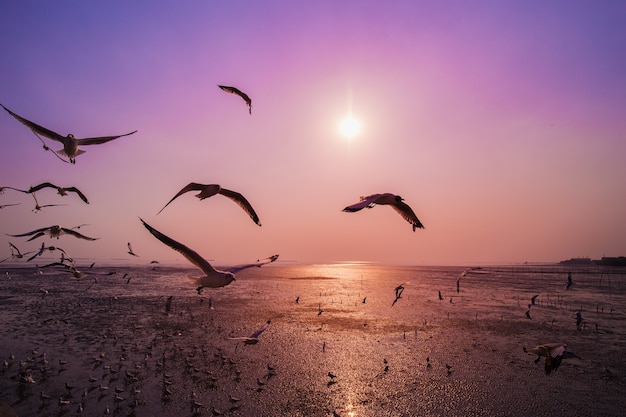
[349,127]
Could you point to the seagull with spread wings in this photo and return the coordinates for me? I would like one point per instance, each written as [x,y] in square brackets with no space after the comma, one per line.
[15,253]
[70,143]
[53,231]
[213,278]
[130,250]
[395,201]
[554,354]
[209,190]
[62,191]
[253,339]
[40,207]
[238,92]
[44,248]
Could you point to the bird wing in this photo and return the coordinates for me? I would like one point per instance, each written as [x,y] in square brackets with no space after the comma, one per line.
[42,185]
[36,128]
[557,350]
[15,189]
[259,264]
[407,214]
[101,139]
[241,202]
[191,255]
[256,334]
[76,234]
[42,230]
[244,96]
[365,202]
[14,250]
[192,186]
[77,191]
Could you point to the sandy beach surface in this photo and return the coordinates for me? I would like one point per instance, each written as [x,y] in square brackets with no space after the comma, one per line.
[335,345]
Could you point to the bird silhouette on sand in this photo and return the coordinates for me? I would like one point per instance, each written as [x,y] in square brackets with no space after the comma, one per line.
[395,201]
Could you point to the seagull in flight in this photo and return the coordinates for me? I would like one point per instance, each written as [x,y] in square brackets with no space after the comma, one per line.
[395,201]
[253,339]
[554,354]
[209,190]
[399,290]
[52,231]
[458,280]
[240,93]
[15,253]
[9,205]
[44,248]
[39,207]
[213,278]
[70,143]
[130,250]
[62,191]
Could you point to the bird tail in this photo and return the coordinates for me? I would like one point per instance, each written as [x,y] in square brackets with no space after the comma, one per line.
[62,153]
[195,280]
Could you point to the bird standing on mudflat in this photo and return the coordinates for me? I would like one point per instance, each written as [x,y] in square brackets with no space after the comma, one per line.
[70,143]
[395,201]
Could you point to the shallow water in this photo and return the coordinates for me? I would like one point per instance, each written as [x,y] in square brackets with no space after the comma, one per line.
[386,360]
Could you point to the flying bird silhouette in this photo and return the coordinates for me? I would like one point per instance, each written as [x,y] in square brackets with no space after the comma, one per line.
[209,190]
[52,231]
[15,253]
[39,207]
[70,143]
[253,339]
[9,205]
[213,278]
[240,93]
[399,290]
[130,250]
[62,191]
[44,248]
[395,201]
[533,299]
[554,354]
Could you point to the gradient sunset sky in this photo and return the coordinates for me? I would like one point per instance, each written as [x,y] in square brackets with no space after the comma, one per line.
[501,123]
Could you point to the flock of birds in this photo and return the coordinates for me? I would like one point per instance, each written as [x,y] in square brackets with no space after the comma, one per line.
[212,277]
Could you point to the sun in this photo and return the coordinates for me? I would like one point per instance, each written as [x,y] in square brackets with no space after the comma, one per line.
[349,127]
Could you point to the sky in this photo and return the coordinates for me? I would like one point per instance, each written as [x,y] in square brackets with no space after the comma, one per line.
[501,123]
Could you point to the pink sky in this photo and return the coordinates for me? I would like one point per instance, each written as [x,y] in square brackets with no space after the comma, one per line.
[501,123]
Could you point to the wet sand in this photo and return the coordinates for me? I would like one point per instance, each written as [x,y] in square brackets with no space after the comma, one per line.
[111,348]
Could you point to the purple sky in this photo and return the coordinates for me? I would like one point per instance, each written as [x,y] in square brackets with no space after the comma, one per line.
[502,123]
